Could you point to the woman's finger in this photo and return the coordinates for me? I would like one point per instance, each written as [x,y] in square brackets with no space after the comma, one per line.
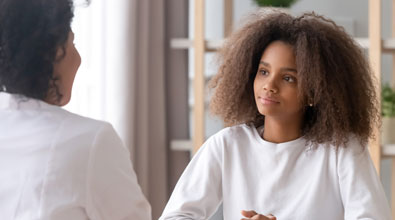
[260,217]
[248,214]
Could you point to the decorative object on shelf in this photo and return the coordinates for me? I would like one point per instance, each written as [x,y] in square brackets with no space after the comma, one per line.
[269,6]
[275,3]
[388,113]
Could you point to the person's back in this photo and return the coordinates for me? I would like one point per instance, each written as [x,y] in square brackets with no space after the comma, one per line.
[54,164]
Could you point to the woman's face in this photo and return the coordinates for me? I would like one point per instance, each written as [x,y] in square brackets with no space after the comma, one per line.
[65,69]
[276,83]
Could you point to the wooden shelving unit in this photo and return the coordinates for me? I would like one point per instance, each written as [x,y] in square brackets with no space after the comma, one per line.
[375,50]
[377,47]
[201,47]
[388,45]
[199,85]
[375,44]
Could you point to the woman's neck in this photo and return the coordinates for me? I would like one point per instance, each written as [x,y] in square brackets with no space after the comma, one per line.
[279,131]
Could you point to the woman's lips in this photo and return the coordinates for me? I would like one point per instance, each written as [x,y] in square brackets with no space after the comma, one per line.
[268,101]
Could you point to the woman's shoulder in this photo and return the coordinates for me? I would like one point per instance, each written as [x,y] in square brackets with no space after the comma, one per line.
[85,136]
[240,129]
[235,132]
[25,108]
[79,120]
[355,147]
[231,137]
[75,123]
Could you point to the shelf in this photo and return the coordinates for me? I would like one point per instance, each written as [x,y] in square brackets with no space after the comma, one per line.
[185,43]
[181,145]
[388,45]
[191,104]
[363,42]
[388,150]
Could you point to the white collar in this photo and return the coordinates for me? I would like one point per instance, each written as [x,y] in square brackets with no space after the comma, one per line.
[17,101]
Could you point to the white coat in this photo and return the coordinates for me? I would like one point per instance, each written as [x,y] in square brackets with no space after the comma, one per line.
[58,165]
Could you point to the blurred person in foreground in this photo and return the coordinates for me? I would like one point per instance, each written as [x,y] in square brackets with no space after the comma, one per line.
[54,164]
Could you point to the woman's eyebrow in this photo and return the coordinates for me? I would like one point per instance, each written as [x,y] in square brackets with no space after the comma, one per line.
[289,69]
[264,63]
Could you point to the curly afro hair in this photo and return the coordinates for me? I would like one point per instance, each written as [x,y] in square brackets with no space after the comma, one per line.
[333,74]
[31,32]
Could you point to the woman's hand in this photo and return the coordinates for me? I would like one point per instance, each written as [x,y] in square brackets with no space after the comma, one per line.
[253,215]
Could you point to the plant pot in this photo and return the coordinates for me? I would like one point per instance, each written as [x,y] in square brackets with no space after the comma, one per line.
[269,10]
[388,131]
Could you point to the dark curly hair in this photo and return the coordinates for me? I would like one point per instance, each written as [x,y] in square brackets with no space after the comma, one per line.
[31,32]
[333,74]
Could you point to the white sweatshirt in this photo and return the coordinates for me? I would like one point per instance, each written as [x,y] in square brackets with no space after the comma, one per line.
[55,165]
[239,169]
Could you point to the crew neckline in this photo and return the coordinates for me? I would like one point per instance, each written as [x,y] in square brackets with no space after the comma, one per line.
[260,139]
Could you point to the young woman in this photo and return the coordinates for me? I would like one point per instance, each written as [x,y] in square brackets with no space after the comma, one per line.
[301,98]
[54,164]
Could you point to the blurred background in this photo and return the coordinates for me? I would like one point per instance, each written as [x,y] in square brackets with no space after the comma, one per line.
[138,73]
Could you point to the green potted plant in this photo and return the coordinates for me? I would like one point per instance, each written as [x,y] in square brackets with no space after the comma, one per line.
[388,114]
[275,3]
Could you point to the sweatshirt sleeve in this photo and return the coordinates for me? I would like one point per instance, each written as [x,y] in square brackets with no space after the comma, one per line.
[112,188]
[360,187]
[198,193]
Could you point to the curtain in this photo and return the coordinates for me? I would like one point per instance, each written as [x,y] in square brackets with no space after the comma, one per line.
[149,125]
[121,80]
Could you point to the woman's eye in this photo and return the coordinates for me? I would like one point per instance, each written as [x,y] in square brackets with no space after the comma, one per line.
[263,72]
[289,79]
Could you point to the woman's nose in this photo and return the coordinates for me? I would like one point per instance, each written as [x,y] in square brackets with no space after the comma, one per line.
[270,86]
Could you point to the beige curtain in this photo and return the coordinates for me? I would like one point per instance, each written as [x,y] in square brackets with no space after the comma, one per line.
[121,80]
[149,127]
[135,66]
